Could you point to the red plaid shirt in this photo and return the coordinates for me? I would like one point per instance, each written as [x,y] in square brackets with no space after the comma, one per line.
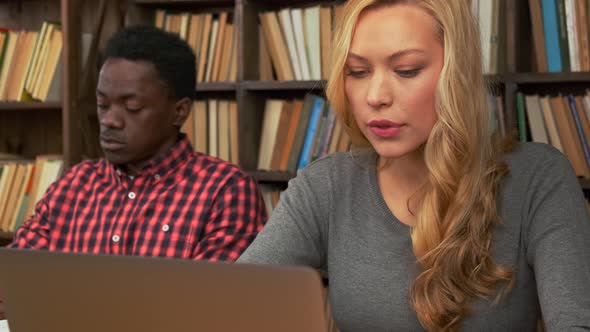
[182,204]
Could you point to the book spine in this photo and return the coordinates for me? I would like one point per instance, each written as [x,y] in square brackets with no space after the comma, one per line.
[522,133]
[310,135]
[579,129]
[551,30]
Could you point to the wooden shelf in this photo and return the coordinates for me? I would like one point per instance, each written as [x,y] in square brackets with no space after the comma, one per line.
[495,78]
[585,184]
[275,4]
[216,3]
[5,238]
[216,86]
[536,78]
[315,85]
[284,177]
[271,176]
[30,106]
[6,235]
[293,2]
[284,85]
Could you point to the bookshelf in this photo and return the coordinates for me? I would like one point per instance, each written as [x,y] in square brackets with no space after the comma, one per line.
[32,128]
[550,78]
[215,87]
[272,177]
[303,86]
[30,106]
[251,92]
[69,120]
[185,2]
[248,90]
[585,184]
[5,238]
[279,178]
[60,132]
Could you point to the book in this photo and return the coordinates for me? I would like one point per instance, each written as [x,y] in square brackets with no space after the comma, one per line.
[551,34]
[212,130]
[522,132]
[298,140]
[223,130]
[270,125]
[289,37]
[579,129]
[300,43]
[291,131]
[535,117]
[314,122]
[281,135]
[312,38]
[234,138]
[550,124]
[563,38]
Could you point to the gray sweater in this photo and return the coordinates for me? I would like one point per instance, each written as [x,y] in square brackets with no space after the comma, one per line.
[333,217]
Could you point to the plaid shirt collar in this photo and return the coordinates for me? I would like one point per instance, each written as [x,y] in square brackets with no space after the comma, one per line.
[162,164]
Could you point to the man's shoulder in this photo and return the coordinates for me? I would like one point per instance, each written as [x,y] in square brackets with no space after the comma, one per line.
[72,178]
[86,167]
[83,172]
[218,168]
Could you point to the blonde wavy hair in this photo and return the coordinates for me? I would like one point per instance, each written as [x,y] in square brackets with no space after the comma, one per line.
[457,211]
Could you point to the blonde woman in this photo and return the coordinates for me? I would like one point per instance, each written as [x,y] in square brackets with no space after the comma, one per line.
[430,223]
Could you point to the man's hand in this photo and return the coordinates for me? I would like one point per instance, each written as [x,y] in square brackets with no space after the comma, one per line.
[1,307]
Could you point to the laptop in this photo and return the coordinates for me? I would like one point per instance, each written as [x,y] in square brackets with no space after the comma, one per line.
[49,291]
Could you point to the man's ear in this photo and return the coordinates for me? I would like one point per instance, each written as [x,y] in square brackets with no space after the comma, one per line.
[182,109]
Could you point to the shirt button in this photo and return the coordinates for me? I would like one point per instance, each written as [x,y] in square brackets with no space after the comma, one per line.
[131,195]
[165,228]
[116,238]
[157,177]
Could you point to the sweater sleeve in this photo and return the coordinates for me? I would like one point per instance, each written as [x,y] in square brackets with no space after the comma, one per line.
[296,232]
[558,249]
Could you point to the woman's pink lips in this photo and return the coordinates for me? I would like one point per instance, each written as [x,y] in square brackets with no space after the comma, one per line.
[384,128]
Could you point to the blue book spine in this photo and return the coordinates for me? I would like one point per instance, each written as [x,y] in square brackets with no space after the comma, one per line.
[316,112]
[579,129]
[551,31]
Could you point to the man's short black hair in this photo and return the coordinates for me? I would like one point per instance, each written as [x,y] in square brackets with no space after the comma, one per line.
[173,57]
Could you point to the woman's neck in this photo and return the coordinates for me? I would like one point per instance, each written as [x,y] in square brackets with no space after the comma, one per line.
[408,172]
[400,181]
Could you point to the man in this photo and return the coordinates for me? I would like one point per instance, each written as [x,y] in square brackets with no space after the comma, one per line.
[151,195]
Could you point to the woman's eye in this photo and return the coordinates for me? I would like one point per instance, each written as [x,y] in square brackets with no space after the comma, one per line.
[357,73]
[408,73]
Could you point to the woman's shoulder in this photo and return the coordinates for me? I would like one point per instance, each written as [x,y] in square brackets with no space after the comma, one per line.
[536,169]
[338,164]
[532,158]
